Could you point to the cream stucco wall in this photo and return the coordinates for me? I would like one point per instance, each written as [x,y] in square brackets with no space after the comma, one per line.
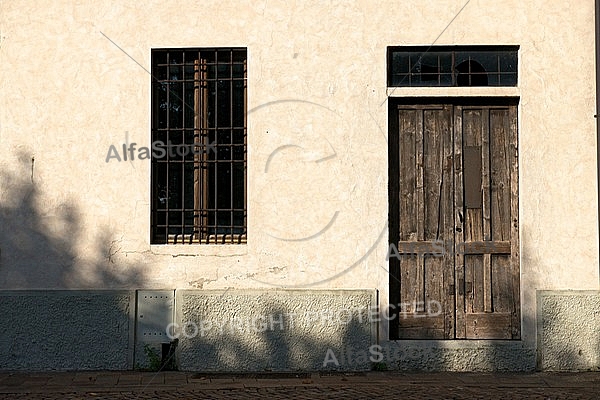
[73,81]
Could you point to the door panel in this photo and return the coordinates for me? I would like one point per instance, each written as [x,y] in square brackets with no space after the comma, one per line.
[453,217]
[425,223]
[491,283]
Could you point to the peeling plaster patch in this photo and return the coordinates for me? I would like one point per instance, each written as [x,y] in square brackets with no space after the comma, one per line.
[199,283]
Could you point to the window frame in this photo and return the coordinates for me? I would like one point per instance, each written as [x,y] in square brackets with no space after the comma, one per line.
[412,75]
[217,169]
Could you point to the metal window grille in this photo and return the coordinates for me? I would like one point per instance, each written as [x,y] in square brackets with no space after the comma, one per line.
[452,66]
[199,136]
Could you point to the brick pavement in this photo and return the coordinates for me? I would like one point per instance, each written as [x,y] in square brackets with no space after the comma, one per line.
[368,385]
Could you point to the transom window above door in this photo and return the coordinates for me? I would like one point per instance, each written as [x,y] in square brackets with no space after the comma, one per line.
[452,66]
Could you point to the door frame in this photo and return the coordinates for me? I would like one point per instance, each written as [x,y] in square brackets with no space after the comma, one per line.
[394,218]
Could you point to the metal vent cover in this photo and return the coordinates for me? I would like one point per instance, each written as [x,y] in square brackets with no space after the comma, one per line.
[155,311]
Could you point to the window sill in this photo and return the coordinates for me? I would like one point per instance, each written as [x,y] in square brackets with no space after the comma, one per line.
[197,249]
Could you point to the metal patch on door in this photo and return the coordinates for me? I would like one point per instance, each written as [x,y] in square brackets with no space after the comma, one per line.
[472,176]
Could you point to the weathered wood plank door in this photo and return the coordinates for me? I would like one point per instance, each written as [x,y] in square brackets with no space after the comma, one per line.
[486,221]
[453,220]
[425,270]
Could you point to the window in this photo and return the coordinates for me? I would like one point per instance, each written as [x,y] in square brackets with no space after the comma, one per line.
[452,66]
[198,146]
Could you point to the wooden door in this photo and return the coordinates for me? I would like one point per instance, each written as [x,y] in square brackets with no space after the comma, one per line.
[453,223]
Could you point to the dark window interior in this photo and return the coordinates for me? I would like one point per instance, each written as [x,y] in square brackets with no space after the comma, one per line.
[199,114]
[452,66]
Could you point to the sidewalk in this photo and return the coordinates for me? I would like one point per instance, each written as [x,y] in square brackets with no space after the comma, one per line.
[366,385]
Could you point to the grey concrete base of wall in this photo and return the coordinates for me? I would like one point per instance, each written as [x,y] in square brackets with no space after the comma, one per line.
[276,330]
[568,330]
[457,355]
[66,330]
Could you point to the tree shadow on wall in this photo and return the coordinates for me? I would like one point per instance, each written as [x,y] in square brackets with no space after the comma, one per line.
[42,247]
[268,340]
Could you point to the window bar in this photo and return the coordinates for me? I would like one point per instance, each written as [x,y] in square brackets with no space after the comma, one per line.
[409,69]
[244,231]
[470,72]
[439,68]
[204,156]
[153,217]
[168,128]
[453,69]
[182,227]
[499,79]
[231,193]
[215,161]
[197,108]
